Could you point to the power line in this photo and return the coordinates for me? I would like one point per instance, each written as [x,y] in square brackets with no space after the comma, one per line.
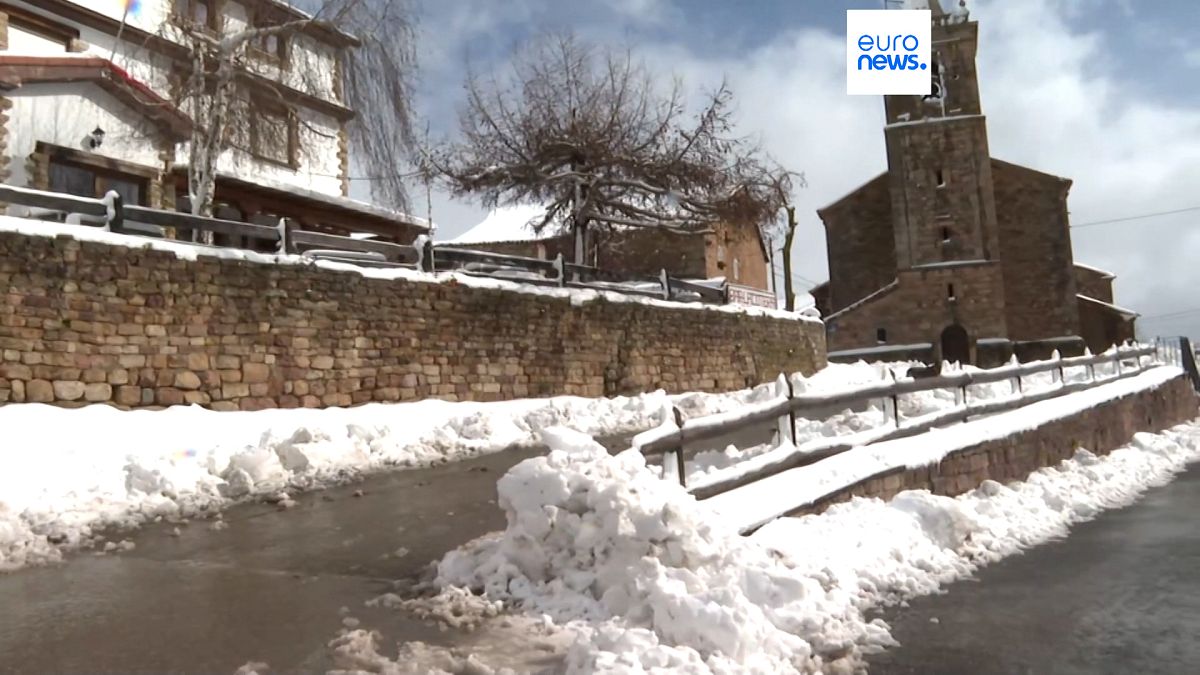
[1136,217]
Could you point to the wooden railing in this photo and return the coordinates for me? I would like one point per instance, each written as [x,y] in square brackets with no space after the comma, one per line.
[670,442]
[114,216]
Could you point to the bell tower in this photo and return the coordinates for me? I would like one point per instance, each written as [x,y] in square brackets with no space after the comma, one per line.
[939,165]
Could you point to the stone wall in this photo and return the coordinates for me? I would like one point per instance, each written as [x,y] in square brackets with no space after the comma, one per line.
[1101,430]
[1094,284]
[85,322]
[1035,248]
[860,243]
[920,307]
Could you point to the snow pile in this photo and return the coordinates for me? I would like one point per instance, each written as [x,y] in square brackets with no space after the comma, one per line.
[600,538]
[881,552]
[66,473]
[647,579]
[357,651]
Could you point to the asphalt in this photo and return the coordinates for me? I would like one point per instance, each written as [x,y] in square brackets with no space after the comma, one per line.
[269,587]
[1121,595]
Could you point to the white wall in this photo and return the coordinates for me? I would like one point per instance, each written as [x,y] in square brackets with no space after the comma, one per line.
[65,114]
[311,70]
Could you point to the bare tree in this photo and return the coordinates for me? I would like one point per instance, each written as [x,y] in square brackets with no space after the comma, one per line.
[376,80]
[585,132]
[781,185]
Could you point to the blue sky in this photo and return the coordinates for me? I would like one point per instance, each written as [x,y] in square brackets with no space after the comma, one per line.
[1106,92]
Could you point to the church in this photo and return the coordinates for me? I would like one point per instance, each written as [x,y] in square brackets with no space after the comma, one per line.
[952,254]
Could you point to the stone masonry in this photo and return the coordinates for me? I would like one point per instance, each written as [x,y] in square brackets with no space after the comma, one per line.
[85,322]
[1100,430]
[951,247]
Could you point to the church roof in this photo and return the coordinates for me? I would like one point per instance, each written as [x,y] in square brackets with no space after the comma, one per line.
[1129,313]
[1105,273]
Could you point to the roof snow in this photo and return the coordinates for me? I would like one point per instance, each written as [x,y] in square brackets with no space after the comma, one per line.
[504,223]
[1106,273]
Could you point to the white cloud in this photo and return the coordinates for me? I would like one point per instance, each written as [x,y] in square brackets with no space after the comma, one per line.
[1053,103]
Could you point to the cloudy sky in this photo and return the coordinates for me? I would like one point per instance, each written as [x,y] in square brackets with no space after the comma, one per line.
[1105,92]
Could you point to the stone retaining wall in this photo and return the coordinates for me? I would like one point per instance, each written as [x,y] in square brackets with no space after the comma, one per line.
[1101,430]
[87,322]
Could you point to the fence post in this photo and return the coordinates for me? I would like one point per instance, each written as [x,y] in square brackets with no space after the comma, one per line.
[672,462]
[282,249]
[894,401]
[666,284]
[785,425]
[427,262]
[116,211]
[561,269]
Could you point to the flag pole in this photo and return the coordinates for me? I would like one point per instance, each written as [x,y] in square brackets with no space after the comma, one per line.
[112,56]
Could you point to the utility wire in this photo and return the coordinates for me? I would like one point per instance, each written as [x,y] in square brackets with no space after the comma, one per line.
[1136,217]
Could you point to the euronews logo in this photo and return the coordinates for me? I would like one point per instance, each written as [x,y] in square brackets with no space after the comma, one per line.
[888,52]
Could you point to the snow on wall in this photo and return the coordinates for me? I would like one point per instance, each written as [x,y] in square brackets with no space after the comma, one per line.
[754,505]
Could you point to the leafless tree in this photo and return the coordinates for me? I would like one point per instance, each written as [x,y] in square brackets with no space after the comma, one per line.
[586,132]
[781,184]
[376,80]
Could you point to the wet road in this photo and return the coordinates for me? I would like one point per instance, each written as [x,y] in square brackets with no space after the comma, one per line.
[268,587]
[1120,595]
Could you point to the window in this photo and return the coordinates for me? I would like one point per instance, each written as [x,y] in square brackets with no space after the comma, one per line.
[33,33]
[273,134]
[936,88]
[945,235]
[881,335]
[941,178]
[86,181]
[199,13]
[273,46]
[950,292]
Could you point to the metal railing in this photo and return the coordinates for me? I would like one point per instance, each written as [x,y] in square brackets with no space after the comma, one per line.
[780,414]
[111,214]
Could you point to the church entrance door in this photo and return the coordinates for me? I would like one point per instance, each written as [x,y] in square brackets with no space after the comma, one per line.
[956,345]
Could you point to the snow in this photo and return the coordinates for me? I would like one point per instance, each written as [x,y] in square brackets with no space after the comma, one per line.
[1108,305]
[862,301]
[952,263]
[880,350]
[754,505]
[190,251]
[67,474]
[1090,268]
[504,223]
[645,579]
[933,120]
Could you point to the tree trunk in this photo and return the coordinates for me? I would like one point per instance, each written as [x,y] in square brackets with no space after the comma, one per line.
[789,293]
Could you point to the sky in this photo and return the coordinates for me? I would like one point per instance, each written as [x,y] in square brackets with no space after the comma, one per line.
[1104,92]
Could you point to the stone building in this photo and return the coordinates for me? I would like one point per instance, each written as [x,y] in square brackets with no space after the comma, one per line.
[953,254]
[737,254]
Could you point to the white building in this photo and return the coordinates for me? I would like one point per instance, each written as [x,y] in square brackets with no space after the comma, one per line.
[86,95]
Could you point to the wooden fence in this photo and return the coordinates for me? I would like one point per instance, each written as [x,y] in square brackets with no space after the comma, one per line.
[780,414]
[111,214]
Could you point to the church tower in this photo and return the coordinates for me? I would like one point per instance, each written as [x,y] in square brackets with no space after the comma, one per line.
[941,181]
[943,204]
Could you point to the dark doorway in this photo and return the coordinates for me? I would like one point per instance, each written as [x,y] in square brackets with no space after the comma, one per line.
[956,346]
